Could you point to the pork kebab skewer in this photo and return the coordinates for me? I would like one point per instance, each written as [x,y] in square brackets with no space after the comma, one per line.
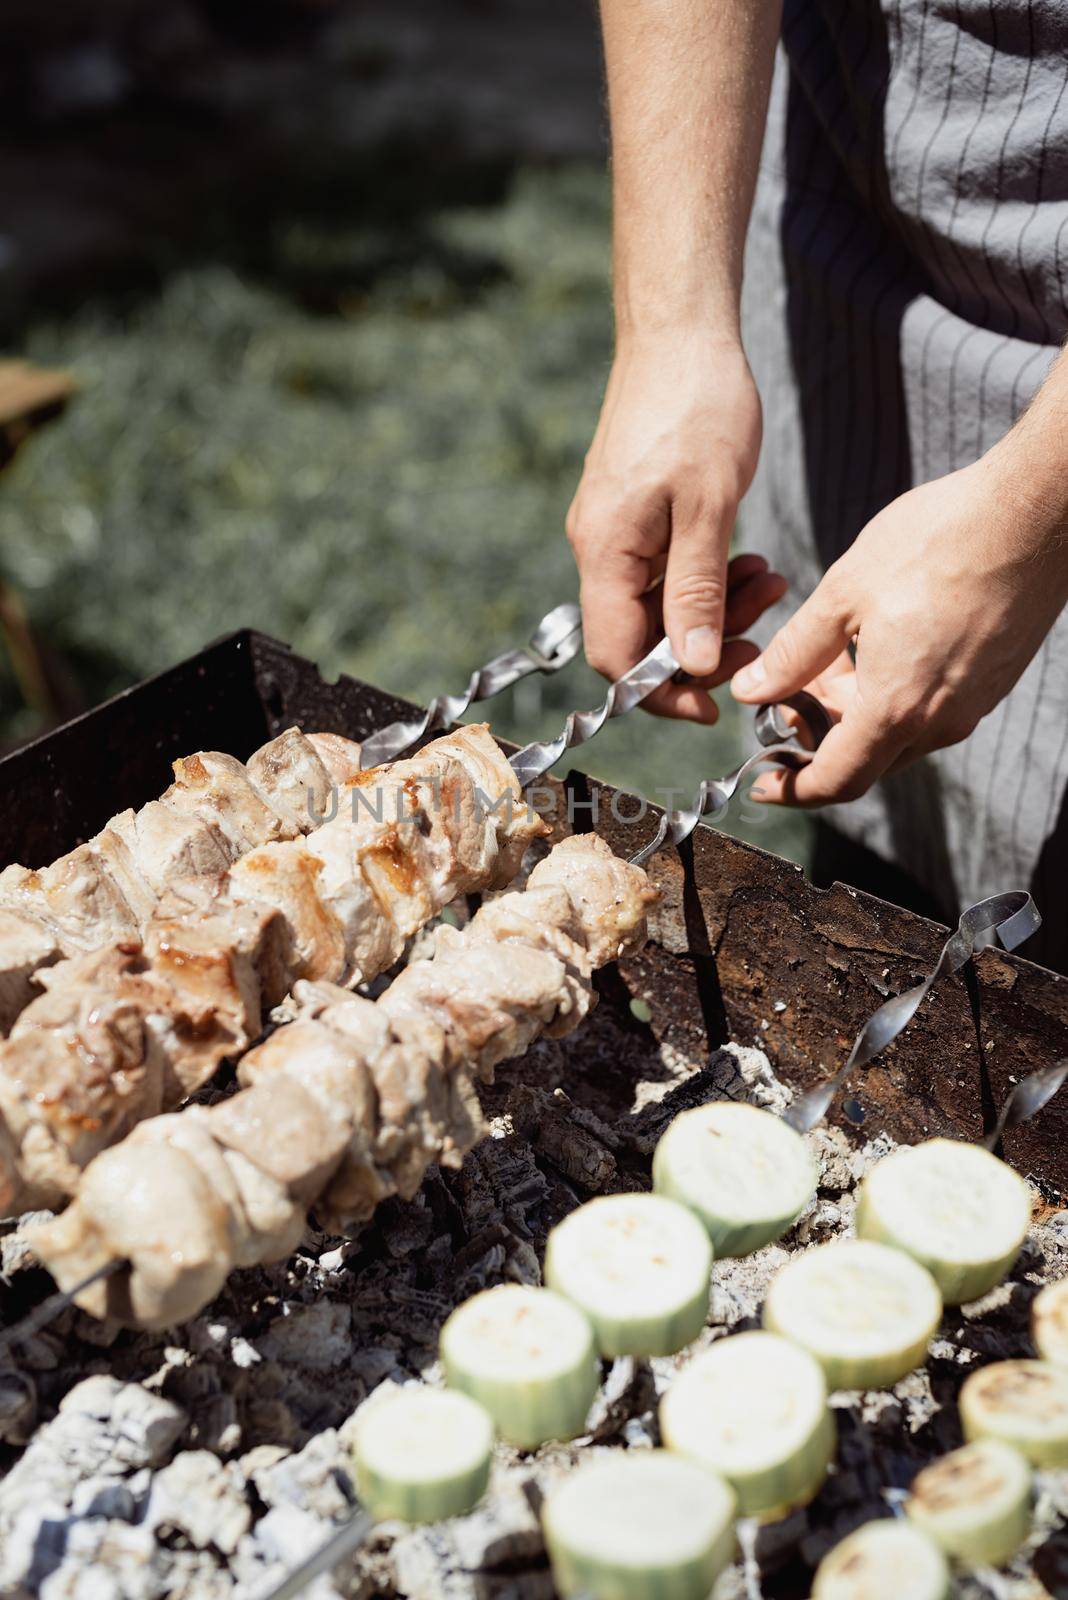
[346,1105]
[216,810]
[131,1030]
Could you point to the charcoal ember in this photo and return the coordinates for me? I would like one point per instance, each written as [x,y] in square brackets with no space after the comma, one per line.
[200,1498]
[522,1264]
[15,1253]
[387,1301]
[617,1398]
[503,1531]
[822,1221]
[832,1152]
[316,1479]
[269,1421]
[579,1154]
[720,1079]
[1051,1565]
[104,1432]
[462,1559]
[764,1087]
[18,1407]
[42,1352]
[195,1575]
[407,1227]
[316,1336]
[514,1184]
[214,1424]
[371,1364]
[109,1561]
[284,1537]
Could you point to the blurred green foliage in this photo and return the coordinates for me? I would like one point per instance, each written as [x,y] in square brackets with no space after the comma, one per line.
[366,448]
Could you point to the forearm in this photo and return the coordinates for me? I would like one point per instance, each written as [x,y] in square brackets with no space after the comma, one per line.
[688,84]
[1031,463]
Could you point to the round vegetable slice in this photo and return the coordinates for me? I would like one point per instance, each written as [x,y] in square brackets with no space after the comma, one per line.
[1049,1323]
[952,1206]
[528,1356]
[865,1312]
[743,1171]
[422,1454]
[754,1409]
[883,1561]
[638,1525]
[1023,1403]
[639,1267]
[975,1503]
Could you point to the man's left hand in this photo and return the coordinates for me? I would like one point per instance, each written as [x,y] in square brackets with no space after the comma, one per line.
[947,594]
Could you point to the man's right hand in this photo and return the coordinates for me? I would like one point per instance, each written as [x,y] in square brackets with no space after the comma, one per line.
[674,452]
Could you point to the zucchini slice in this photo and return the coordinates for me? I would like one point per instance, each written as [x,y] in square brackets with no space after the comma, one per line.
[1049,1323]
[885,1560]
[638,1525]
[422,1454]
[865,1312]
[528,1356]
[639,1266]
[1023,1403]
[742,1170]
[975,1503]
[953,1207]
[754,1409]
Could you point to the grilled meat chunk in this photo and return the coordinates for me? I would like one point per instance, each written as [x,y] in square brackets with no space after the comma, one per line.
[351,1101]
[220,951]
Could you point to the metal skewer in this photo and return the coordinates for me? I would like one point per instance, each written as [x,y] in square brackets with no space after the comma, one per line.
[49,1309]
[1027,1100]
[1009,918]
[345,1542]
[555,641]
[779,742]
[535,759]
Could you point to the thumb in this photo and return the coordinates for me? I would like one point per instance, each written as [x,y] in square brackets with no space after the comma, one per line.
[695,589]
[812,639]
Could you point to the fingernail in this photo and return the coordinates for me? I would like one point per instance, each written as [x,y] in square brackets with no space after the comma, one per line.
[749,678]
[700,650]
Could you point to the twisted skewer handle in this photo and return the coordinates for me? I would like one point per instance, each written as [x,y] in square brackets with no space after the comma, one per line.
[779,742]
[555,641]
[1009,918]
[1027,1100]
[534,760]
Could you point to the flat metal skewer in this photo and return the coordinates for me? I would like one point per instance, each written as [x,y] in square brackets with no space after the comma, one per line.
[535,759]
[555,641]
[1026,1100]
[1009,918]
[779,742]
[345,1542]
[49,1309]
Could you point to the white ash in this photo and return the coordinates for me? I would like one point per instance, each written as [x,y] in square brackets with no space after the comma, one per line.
[15,1253]
[765,1089]
[202,1499]
[282,1538]
[206,1463]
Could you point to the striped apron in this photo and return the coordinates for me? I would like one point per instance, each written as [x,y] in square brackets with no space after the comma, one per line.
[906,293]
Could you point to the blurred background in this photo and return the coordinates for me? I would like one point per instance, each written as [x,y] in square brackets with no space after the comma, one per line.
[320,291]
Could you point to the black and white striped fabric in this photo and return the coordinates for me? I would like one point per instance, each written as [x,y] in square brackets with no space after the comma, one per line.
[906,294]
